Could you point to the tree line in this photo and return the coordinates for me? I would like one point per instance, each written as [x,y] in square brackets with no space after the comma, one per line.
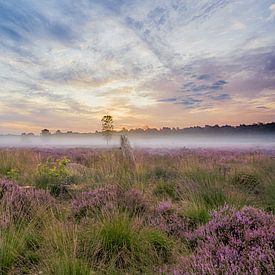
[108,130]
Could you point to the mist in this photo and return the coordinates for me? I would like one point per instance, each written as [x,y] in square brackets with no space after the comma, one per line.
[142,141]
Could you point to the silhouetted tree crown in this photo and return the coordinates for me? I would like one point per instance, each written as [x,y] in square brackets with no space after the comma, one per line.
[107,127]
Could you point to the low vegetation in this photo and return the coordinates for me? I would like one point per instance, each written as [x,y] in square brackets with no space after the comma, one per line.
[84,211]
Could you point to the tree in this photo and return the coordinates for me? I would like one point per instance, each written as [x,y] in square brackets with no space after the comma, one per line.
[45,132]
[107,127]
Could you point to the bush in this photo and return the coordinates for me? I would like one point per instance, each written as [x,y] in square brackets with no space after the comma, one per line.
[134,202]
[12,174]
[19,204]
[167,219]
[233,242]
[108,198]
[90,203]
[245,181]
[54,177]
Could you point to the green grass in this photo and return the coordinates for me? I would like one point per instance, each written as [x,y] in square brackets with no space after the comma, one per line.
[18,248]
[166,190]
[121,242]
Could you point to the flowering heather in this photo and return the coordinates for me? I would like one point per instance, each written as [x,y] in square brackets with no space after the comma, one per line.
[233,242]
[17,202]
[166,218]
[134,202]
[91,202]
[108,198]
[125,230]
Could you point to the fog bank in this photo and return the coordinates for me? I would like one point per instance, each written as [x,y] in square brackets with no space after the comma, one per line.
[138,141]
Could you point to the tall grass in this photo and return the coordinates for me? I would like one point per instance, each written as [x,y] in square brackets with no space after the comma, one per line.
[127,219]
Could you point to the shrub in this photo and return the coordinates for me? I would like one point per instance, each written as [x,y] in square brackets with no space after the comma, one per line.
[12,174]
[134,202]
[233,242]
[54,177]
[246,181]
[92,202]
[167,219]
[18,203]
[108,198]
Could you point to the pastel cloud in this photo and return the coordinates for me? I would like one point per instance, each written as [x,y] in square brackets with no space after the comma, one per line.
[65,63]
[272,10]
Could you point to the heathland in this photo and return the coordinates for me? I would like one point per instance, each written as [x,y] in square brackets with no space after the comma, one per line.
[94,211]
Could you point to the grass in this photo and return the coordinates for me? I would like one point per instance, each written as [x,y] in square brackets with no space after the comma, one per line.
[119,242]
[120,237]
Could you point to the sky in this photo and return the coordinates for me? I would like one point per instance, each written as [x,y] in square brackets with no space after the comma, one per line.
[65,63]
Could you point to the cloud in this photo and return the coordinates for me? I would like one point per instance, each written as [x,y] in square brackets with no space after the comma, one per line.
[237,26]
[73,60]
[272,10]
[203,77]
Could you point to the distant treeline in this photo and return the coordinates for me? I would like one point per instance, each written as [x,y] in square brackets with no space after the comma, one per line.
[256,128]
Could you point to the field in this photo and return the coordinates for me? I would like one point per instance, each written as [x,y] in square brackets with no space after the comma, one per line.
[85,211]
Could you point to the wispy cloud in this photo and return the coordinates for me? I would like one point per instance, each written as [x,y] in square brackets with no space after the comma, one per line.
[64,63]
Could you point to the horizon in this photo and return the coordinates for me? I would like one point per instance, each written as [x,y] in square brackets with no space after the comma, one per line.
[145,128]
[65,64]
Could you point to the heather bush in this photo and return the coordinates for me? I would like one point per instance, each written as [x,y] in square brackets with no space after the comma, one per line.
[19,204]
[166,218]
[233,242]
[134,202]
[108,198]
[90,203]
[158,214]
